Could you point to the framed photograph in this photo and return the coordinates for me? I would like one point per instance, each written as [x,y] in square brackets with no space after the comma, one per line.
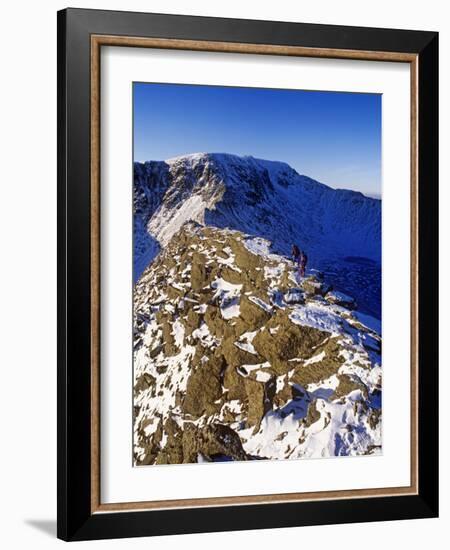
[247,255]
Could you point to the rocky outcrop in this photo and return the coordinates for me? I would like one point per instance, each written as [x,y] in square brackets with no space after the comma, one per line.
[211,442]
[315,287]
[204,387]
[236,358]
[341,299]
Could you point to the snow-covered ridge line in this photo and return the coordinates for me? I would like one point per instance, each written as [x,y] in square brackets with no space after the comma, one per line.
[225,159]
[274,165]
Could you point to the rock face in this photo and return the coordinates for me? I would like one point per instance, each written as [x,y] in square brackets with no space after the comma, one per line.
[237,359]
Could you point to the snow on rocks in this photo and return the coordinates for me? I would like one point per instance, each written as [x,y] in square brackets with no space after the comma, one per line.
[234,360]
[313,286]
[340,299]
[317,316]
[227,294]
[315,358]
[245,342]
[294,296]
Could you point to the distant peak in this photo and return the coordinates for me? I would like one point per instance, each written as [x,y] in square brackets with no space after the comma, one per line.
[230,158]
[204,156]
[189,157]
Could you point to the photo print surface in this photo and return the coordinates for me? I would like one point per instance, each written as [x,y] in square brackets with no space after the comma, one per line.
[257,274]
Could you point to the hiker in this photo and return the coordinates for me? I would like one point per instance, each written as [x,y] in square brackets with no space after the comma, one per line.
[300,258]
[302,263]
[296,257]
[295,253]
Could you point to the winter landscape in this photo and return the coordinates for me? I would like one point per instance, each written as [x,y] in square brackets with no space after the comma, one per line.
[245,349]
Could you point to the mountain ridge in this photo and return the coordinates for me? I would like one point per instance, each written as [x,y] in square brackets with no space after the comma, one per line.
[265,198]
[222,155]
[237,358]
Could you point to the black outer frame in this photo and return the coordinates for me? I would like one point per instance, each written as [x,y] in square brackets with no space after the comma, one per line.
[75,521]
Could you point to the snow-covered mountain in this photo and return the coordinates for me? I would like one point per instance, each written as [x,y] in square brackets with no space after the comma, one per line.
[235,356]
[339,229]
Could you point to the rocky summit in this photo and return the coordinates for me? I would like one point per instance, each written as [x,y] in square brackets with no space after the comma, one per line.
[238,358]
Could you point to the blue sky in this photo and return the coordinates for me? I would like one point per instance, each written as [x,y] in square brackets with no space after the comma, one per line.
[333,137]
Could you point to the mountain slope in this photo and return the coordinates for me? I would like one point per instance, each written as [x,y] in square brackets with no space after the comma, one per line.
[337,228]
[235,359]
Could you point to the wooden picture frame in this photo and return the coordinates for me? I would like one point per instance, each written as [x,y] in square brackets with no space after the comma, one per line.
[81,35]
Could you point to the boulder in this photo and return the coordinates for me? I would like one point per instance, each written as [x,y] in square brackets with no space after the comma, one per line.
[150,444]
[233,385]
[164,321]
[199,276]
[347,384]
[317,371]
[192,321]
[217,325]
[172,453]
[313,415]
[144,382]
[340,299]
[294,296]
[211,440]
[259,400]
[288,342]
[232,276]
[204,387]
[284,395]
[312,285]
[237,356]
[252,314]
[245,260]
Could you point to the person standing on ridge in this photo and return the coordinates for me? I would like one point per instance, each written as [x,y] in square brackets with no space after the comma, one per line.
[302,263]
[300,258]
[296,256]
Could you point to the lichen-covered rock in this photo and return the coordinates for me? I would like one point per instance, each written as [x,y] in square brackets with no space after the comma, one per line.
[287,341]
[347,385]
[199,277]
[173,449]
[144,382]
[234,385]
[215,321]
[192,321]
[167,333]
[313,414]
[260,396]
[253,313]
[204,387]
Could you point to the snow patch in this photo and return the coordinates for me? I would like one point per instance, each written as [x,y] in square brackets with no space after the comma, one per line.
[315,359]
[317,316]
